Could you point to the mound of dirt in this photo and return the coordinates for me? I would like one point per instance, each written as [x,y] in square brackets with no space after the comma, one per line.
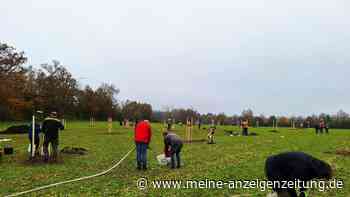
[343,152]
[17,129]
[252,134]
[232,133]
[236,133]
[194,141]
[74,150]
[39,160]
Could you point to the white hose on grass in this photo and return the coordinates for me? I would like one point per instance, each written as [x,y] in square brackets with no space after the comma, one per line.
[73,180]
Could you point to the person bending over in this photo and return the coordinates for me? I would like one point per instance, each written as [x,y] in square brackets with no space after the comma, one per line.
[292,166]
[174,145]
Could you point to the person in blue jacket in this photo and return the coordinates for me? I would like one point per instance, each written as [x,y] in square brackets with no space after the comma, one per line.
[36,137]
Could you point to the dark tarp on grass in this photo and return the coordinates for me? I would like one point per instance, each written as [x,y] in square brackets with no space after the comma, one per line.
[18,129]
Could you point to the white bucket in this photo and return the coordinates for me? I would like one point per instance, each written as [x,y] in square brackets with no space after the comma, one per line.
[162,160]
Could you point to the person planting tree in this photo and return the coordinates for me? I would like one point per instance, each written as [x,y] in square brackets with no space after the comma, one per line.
[173,145]
[36,138]
[51,127]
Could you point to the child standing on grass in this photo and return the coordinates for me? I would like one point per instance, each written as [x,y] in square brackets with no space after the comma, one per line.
[211,133]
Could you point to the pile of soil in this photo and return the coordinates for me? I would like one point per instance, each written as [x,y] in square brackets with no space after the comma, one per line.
[74,150]
[39,160]
[233,133]
[17,129]
[236,133]
[343,152]
[194,141]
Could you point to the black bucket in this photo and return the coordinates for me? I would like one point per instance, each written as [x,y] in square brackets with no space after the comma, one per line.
[8,150]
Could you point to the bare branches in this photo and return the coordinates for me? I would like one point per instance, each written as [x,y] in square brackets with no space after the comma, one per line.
[10,60]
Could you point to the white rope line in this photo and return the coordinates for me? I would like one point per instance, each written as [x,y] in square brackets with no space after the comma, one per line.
[73,180]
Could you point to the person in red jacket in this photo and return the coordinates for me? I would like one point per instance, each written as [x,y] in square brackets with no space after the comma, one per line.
[143,134]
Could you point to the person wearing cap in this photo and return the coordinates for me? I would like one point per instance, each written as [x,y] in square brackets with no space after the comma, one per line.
[142,138]
[51,127]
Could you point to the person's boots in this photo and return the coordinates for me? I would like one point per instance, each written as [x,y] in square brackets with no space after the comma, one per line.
[178,165]
[46,158]
[178,161]
[54,157]
[172,165]
[31,158]
[138,166]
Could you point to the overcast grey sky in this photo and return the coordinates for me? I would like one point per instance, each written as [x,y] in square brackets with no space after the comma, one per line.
[286,57]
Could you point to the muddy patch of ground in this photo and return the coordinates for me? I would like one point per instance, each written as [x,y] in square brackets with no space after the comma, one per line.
[74,150]
[39,160]
[195,141]
[341,152]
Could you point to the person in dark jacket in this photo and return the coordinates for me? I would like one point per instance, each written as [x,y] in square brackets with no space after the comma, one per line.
[292,166]
[245,127]
[143,134]
[51,127]
[36,138]
[174,144]
[317,129]
[169,123]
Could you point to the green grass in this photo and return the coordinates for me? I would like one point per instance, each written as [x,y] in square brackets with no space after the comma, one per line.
[231,158]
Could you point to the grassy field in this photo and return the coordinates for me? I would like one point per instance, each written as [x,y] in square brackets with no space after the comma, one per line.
[231,158]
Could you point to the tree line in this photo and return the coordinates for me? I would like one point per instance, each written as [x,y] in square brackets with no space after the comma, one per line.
[339,120]
[51,87]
